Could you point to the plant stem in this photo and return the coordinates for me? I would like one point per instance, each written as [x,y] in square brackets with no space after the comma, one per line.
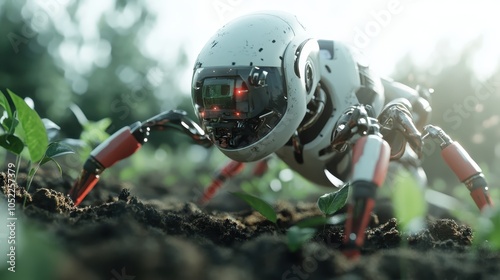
[31,176]
[18,162]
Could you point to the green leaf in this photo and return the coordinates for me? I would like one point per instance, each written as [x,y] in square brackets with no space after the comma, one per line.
[57,149]
[258,205]
[101,125]
[488,228]
[408,200]
[297,236]
[47,159]
[36,139]
[11,143]
[331,202]
[9,121]
[32,172]
[312,222]
[15,128]
[94,133]
[10,124]
[5,104]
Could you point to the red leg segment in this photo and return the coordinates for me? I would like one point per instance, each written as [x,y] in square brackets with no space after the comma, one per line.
[468,172]
[370,163]
[464,167]
[118,146]
[230,170]
[261,167]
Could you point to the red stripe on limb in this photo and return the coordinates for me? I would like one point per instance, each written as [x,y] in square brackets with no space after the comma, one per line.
[360,231]
[382,163]
[358,226]
[358,149]
[120,145]
[466,168]
[230,170]
[370,159]
[211,190]
[370,163]
[260,168]
[481,198]
[89,185]
[460,161]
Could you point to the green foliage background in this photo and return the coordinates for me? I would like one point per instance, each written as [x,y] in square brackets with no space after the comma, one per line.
[124,84]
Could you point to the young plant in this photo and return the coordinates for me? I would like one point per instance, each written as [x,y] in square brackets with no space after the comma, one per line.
[25,130]
[303,231]
[54,150]
[487,229]
[300,233]
[332,202]
[259,205]
[329,204]
[409,203]
[297,236]
[93,133]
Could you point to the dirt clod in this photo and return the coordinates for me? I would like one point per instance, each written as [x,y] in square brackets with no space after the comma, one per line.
[52,201]
[121,233]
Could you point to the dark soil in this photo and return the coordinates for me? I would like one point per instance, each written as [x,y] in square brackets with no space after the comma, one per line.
[119,236]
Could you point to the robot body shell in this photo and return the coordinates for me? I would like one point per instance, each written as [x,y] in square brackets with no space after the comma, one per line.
[276,38]
[341,80]
[231,44]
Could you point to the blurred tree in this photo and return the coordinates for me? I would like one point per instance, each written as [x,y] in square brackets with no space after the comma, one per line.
[88,53]
[463,106]
[26,65]
[92,53]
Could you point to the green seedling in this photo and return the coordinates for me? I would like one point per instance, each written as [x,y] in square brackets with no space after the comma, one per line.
[409,203]
[25,130]
[93,133]
[297,236]
[54,150]
[23,125]
[332,202]
[487,229]
[259,205]
[12,143]
[304,230]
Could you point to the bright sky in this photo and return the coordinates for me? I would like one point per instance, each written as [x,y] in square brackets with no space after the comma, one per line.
[384,30]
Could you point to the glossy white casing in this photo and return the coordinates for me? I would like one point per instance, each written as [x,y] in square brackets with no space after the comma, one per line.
[341,82]
[266,39]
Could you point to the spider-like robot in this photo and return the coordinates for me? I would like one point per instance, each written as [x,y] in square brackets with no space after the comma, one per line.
[262,85]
